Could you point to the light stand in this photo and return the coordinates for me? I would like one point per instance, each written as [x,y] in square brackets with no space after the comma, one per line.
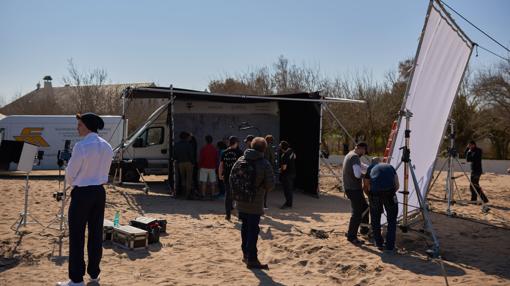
[23,219]
[61,196]
[406,160]
[451,185]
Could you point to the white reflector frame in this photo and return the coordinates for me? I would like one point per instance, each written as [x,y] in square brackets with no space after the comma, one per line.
[441,60]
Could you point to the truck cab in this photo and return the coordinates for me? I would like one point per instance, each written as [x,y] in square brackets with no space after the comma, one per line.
[148,154]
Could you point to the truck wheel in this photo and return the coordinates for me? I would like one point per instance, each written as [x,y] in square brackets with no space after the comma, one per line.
[130,175]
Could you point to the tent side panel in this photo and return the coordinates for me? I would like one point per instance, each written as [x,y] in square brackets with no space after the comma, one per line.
[299,125]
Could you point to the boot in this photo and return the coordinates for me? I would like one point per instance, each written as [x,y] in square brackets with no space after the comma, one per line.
[255,264]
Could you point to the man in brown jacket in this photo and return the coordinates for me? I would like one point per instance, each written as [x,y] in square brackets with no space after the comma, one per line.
[250,212]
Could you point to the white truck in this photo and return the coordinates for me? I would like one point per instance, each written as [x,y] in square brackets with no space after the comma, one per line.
[50,132]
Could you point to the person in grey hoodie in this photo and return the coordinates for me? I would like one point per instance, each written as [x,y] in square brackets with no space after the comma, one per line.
[250,212]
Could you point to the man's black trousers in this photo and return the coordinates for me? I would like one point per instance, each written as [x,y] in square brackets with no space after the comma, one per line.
[249,235]
[359,206]
[475,180]
[86,209]
[288,189]
[228,200]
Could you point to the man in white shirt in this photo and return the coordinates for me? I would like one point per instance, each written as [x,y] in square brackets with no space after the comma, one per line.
[86,172]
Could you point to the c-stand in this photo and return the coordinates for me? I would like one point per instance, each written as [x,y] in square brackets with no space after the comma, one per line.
[423,208]
[61,195]
[451,184]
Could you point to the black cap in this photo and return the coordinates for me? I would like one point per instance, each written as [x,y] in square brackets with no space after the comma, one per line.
[248,138]
[91,120]
[232,140]
[362,144]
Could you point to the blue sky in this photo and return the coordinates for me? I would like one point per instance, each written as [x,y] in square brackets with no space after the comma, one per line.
[188,43]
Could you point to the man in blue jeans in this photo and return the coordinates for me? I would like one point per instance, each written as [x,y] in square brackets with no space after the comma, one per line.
[381,184]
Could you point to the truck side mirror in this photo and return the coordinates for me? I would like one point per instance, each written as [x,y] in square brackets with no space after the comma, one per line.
[138,143]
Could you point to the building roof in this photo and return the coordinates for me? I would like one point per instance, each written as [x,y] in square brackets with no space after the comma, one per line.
[39,99]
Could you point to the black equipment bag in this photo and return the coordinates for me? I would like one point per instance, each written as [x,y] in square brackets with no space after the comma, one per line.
[150,225]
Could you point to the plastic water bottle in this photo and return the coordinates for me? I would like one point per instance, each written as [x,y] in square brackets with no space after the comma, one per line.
[116,219]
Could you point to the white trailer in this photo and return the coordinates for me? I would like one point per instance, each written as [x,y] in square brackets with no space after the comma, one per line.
[50,132]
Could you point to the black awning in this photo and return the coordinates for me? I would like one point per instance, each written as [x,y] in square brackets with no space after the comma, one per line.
[188,94]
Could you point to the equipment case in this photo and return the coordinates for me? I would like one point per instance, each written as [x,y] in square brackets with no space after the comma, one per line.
[151,225]
[107,230]
[130,237]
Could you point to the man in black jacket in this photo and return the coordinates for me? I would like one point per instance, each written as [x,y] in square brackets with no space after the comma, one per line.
[287,172]
[227,161]
[474,155]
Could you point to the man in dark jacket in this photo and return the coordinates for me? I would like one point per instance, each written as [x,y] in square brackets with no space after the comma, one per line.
[250,212]
[183,154]
[269,155]
[287,173]
[474,155]
[228,159]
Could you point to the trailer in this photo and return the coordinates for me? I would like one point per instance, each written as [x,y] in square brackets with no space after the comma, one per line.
[49,133]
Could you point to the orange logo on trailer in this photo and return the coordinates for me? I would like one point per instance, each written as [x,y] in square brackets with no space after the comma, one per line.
[32,135]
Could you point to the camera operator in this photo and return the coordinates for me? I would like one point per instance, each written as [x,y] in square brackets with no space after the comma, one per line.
[86,172]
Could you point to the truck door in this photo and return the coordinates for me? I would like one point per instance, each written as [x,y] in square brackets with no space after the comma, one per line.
[152,146]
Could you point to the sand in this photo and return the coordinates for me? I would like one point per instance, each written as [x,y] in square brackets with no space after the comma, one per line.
[202,248]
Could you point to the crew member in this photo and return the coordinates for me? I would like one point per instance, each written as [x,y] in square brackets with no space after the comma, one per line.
[474,155]
[381,184]
[86,172]
[352,183]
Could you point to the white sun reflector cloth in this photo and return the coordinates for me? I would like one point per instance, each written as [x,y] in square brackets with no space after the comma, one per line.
[441,60]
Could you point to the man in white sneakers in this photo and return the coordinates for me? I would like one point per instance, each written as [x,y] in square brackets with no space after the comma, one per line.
[86,172]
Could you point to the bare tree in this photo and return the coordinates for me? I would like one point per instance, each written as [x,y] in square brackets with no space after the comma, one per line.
[88,90]
[492,88]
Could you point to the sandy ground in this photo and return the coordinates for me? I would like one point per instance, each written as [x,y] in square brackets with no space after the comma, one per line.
[201,248]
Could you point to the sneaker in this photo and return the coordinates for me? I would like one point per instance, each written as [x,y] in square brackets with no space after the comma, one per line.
[227,217]
[70,283]
[95,280]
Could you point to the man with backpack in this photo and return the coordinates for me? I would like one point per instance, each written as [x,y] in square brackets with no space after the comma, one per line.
[228,159]
[251,177]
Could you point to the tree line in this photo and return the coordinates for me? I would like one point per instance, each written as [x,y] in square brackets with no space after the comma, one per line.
[481,111]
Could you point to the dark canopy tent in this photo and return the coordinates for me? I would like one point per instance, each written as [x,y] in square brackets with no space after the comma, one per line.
[299,123]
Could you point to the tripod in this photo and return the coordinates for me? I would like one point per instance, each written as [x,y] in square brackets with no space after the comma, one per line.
[26,164]
[24,215]
[451,185]
[423,207]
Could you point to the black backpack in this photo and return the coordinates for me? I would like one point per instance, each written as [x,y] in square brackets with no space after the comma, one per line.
[242,180]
